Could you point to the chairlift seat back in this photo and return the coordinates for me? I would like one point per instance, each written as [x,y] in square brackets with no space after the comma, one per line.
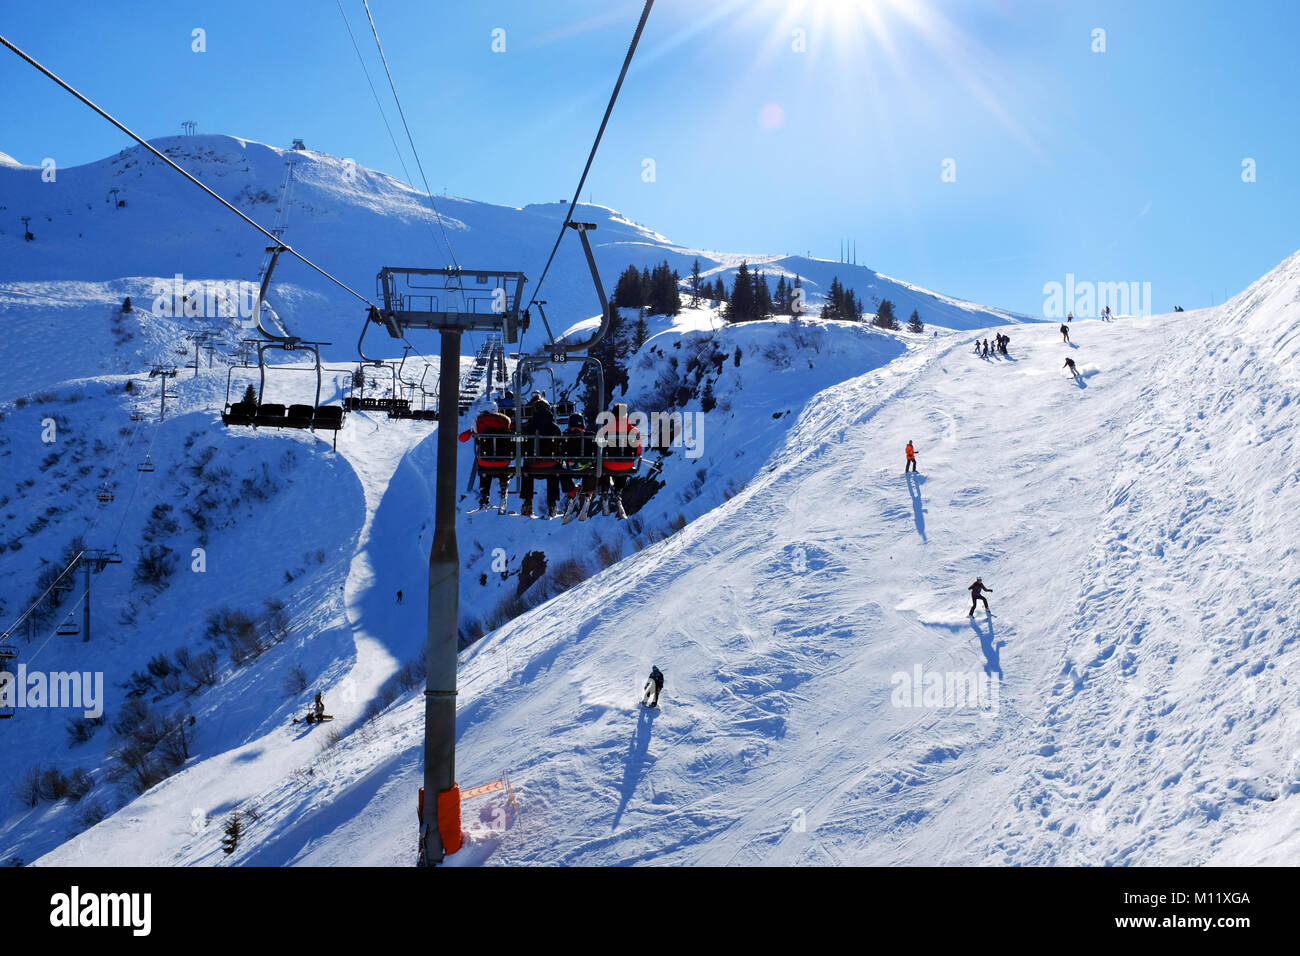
[329,417]
[272,415]
[299,416]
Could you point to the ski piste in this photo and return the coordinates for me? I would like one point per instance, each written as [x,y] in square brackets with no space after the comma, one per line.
[766,566]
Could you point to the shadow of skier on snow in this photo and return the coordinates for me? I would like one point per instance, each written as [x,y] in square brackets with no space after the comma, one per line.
[636,757]
[992,663]
[918,506]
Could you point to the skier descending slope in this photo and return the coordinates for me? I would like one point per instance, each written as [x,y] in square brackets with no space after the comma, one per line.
[1065,332]
[911,458]
[1069,363]
[655,682]
[977,594]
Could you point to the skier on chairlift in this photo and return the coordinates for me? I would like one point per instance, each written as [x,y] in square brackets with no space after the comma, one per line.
[622,443]
[537,430]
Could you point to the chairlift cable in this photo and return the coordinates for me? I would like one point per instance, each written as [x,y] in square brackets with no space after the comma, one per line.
[29,658]
[166,159]
[577,193]
[414,152]
[382,115]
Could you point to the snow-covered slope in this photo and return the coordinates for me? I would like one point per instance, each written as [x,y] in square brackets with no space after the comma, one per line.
[1136,526]
[348,219]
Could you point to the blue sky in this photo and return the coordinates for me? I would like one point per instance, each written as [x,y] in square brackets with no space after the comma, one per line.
[1123,165]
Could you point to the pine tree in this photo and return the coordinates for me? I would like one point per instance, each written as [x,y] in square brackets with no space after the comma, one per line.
[126,304]
[250,395]
[833,306]
[664,296]
[762,297]
[640,332]
[234,830]
[780,298]
[914,324]
[852,307]
[695,284]
[885,317]
[742,306]
[610,352]
[628,291]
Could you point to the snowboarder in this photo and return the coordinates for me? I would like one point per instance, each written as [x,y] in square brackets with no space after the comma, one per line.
[1069,363]
[911,458]
[655,683]
[1065,332]
[977,594]
[319,706]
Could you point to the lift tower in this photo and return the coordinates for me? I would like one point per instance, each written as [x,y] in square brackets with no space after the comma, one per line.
[451,301]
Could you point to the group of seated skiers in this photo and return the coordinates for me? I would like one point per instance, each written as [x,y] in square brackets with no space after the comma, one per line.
[565,458]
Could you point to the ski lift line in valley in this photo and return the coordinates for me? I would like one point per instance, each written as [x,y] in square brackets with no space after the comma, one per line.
[577,193]
[5,41]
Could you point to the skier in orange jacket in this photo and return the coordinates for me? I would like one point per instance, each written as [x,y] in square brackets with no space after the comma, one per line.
[911,458]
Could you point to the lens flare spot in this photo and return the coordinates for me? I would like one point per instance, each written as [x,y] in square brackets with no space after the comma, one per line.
[771,116]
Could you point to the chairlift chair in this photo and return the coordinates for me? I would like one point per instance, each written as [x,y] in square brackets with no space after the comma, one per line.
[146,465]
[8,654]
[274,415]
[68,628]
[104,495]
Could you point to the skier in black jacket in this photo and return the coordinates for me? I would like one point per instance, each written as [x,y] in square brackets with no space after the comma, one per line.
[977,594]
[541,426]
